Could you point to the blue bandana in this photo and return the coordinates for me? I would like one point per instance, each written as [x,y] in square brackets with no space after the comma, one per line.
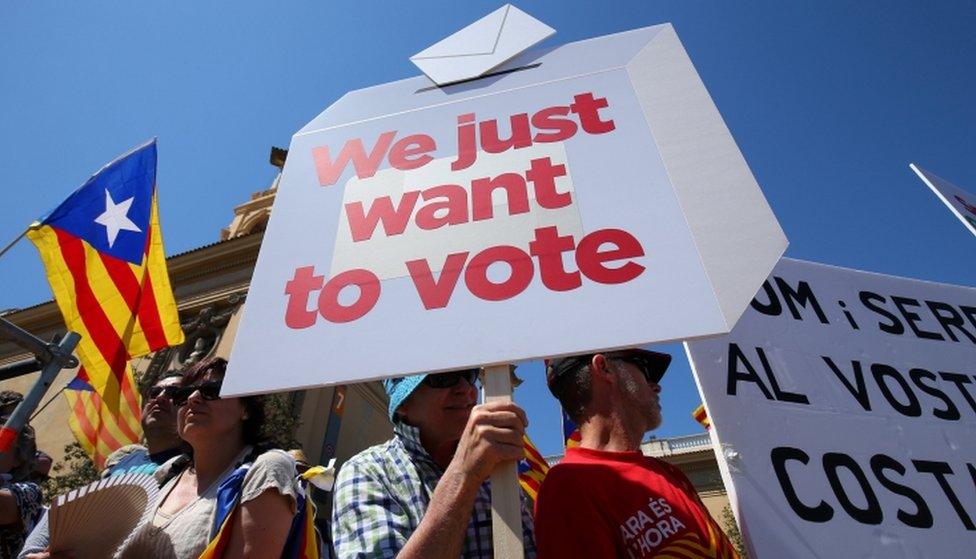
[399,389]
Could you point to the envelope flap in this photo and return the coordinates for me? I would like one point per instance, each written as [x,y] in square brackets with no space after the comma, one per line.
[520,30]
[478,38]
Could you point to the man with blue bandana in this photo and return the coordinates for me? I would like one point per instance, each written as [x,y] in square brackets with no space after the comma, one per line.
[425,493]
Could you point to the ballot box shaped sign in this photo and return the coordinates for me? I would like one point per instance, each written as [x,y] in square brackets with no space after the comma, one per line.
[844,407]
[581,197]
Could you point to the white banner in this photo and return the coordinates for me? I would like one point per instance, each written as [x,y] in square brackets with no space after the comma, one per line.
[420,229]
[845,406]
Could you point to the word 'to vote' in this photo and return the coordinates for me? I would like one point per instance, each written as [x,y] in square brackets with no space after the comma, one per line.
[603,256]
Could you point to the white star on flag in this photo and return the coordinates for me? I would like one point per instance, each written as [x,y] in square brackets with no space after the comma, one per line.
[115,219]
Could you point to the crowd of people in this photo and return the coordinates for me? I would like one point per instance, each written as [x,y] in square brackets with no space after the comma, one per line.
[223,489]
[225,492]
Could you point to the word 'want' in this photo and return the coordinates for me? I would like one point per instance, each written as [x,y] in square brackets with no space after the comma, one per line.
[447,204]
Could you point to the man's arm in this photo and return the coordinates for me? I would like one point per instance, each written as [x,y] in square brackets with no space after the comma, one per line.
[492,435]
[38,540]
[441,532]
[367,522]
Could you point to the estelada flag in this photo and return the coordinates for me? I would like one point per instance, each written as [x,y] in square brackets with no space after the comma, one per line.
[532,468]
[104,423]
[571,434]
[302,541]
[701,416]
[103,254]
[104,258]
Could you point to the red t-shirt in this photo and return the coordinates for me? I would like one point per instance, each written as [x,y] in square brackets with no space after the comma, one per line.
[597,504]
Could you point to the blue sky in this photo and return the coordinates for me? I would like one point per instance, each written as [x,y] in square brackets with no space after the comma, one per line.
[829,102]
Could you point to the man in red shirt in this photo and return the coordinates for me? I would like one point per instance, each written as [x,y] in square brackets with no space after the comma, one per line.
[606,499]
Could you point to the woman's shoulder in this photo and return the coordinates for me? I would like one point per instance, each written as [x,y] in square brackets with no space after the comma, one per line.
[275,459]
[271,469]
[169,469]
[274,464]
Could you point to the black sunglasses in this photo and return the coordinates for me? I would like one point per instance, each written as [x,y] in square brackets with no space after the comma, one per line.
[168,391]
[450,379]
[209,390]
[639,363]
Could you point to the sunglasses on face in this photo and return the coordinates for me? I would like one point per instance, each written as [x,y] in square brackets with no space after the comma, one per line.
[641,366]
[449,380]
[157,391]
[209,391]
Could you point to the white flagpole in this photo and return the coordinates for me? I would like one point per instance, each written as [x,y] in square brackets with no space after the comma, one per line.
[13,242]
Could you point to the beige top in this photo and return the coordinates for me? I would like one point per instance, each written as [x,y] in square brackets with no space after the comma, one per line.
[185,534]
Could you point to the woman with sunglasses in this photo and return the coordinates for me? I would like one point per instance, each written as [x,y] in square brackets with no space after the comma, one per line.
[224,435]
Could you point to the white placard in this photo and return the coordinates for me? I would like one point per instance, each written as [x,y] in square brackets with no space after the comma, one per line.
[845,406]
[961,203]
[421,229]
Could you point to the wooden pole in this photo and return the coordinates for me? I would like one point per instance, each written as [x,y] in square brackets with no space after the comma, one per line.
[506,507]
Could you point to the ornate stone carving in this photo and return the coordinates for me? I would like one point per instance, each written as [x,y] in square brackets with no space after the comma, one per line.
[203,333]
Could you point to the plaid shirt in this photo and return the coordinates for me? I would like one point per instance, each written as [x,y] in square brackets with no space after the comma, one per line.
[382,493]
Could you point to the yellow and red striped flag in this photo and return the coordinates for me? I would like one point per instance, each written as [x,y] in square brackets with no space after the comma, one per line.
[701,416]
[104,258]
[101,426]
[532,468]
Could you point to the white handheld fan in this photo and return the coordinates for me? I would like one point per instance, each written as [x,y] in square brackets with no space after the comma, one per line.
[95,520]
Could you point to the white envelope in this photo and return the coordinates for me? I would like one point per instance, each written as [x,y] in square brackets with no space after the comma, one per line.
[485,44]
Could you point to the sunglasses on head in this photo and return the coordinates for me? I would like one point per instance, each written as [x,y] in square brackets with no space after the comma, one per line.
[157,391]
[209,390]
[450,379]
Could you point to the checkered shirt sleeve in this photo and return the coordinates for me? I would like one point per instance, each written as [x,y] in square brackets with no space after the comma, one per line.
[367,521]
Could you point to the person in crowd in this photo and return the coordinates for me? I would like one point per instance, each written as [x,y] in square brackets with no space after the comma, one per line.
[20,498]
[159,428]
[42,467]
[424,494]
[227,454]
[605,498]
[162,444]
